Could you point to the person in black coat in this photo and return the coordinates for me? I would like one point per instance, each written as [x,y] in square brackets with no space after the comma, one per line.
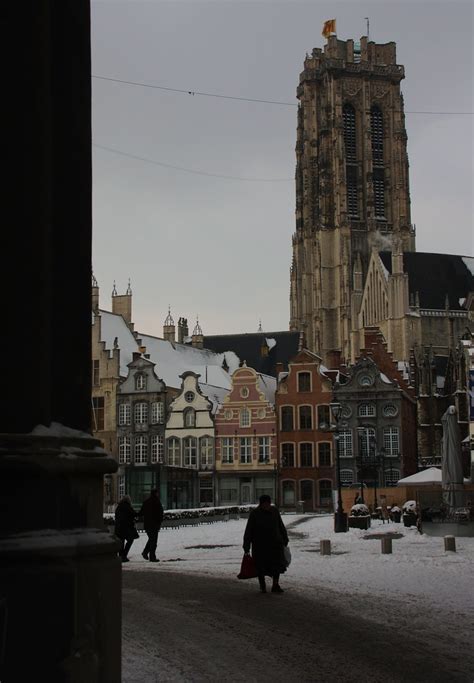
[267,535]
[152,513]
[125,526]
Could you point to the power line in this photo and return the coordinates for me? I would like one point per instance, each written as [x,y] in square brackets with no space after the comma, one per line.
[253,99]
[195,92]
[190,170]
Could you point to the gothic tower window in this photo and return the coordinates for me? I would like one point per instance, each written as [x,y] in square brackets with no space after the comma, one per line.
[376,132]
[350,143]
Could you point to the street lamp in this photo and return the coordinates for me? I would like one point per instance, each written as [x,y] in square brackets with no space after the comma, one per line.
[340,517]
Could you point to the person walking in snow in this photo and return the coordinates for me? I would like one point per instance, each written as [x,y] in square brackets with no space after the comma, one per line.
[125,526]
[152,513]
[266,534]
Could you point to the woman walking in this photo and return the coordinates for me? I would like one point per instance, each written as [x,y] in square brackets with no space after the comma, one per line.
[125,526]
[267,535]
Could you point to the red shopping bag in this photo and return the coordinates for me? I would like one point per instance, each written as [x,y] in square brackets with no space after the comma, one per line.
[248,570]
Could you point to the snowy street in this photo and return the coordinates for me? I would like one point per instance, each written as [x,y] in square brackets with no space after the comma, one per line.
[356,615]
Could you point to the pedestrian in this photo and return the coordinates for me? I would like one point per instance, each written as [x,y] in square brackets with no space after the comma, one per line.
[125,526]
[152,513]
[267,535]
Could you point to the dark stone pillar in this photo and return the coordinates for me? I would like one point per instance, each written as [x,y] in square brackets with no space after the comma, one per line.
[59,574]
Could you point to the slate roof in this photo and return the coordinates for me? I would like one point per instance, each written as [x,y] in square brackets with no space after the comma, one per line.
[247,347]
[434,276]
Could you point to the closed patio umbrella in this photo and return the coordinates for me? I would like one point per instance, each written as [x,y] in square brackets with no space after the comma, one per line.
[451,470]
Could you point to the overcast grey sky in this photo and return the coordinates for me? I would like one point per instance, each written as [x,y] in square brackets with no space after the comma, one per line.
[219,247]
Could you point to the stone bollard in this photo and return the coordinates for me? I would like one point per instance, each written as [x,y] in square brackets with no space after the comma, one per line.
[325,547]
[386,546]
[450,543]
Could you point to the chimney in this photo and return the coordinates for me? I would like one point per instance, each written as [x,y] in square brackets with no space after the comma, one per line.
[122,304]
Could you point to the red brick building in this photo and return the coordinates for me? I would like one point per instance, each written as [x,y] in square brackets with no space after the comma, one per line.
[305,447]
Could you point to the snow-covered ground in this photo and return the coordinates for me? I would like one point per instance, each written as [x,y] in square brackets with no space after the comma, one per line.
[418,573]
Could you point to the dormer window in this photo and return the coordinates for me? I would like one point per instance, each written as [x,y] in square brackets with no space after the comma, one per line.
[189,417]
[140,382]
[245,417]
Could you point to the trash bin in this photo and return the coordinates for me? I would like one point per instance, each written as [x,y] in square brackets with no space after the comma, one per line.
[300,507]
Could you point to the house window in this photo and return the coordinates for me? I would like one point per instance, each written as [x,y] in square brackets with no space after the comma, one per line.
[345,443]
[245,450]
[366,410]
[390,410]
[324,454]
[157,448]
[157,412]
[324,417]
[121,486]
[206,491]
[288,455]
[263,449]
[288,489]
[379,193]
[98,414]
[190,451]
[141,450]
[125,450]
[96,373]
[391,441]
[174,452]
[391,477]
[141,413]
[244,392]
[189,397]
[140,382]
[304,381]
[286,413]
[189,416]
[306,490]
[367,441]
[206,451]
[325,492]
[306,454]
[245,417]
[347,477]
[227,449]
[124,414]
[305,417]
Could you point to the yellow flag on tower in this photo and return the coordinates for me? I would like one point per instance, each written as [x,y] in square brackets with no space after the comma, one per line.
[329,27]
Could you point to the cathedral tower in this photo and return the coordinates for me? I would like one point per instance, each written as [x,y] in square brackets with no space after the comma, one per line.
[352,190]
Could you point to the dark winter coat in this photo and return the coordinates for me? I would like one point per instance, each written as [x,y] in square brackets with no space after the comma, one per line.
[152,513]
[267,535]
[125,521]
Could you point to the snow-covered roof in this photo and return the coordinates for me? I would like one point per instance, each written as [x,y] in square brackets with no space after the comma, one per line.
[267,386]
[113,326]
[216,395]
[172,359]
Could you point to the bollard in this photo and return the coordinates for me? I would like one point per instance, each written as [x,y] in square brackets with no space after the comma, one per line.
[325,547]
[450,543]
[386,546]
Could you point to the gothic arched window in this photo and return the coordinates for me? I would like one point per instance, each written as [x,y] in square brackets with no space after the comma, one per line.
[349,120]
[350,143]
[376,132]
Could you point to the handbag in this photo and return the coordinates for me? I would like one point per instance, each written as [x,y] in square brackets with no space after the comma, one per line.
[287,553]
[248,570]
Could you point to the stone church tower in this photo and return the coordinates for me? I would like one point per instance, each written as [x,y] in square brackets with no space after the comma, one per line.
[352,189]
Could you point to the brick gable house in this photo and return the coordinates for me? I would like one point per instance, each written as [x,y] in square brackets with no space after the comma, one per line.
[305,447]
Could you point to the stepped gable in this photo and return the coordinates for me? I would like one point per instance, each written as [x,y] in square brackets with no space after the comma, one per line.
[435,276]
[375,347]
[262,351]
